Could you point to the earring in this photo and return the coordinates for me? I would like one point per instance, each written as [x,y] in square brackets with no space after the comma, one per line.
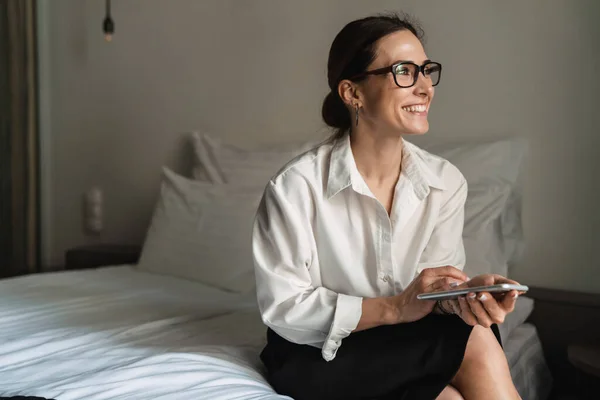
[356,109]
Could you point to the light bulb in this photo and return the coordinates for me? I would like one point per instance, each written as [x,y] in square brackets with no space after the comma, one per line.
[108,25]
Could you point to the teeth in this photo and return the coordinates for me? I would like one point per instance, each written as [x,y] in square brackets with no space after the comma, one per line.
[417,108]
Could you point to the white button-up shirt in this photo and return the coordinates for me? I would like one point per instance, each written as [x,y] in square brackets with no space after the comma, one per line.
[322,242]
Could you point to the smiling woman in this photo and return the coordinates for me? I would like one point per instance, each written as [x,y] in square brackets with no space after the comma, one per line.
[349,234]
[355,43]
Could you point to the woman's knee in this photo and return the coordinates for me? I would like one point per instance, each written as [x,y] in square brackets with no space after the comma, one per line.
[450,393]
[484,361]
[484,368]
[483,350]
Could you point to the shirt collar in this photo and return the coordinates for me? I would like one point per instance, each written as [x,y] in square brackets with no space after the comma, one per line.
[414,163]
[340,167]
[344,173]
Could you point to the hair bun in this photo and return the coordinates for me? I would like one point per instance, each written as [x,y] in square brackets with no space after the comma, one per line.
[335,113]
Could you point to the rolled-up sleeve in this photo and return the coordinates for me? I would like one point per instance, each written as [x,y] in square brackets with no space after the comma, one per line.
[445,246]
[283,252]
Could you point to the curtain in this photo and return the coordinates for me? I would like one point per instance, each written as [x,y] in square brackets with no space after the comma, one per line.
[19,214]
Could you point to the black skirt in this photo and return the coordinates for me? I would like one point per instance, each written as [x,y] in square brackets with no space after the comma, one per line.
[405,361]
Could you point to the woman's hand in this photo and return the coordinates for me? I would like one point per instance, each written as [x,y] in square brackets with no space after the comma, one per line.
[483,308]
[407,308]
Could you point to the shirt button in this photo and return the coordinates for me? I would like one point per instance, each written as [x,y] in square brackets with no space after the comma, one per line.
[387,278]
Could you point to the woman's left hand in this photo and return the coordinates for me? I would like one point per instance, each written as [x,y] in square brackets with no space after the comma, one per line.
[483,308]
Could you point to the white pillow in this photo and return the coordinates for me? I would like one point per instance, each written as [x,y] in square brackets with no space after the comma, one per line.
[490,162]
[497,160]
[202,232]
[482,236]
[492,213]
[218,162]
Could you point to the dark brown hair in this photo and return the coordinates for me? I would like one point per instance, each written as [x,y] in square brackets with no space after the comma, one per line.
[352,51]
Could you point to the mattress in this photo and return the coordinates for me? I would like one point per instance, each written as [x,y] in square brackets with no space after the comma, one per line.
[116,333]
[528,367]
[119,333]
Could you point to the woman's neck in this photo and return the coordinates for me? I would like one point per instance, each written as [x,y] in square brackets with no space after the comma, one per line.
[377,157]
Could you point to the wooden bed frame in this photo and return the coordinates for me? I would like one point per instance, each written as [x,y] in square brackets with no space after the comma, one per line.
[563,318]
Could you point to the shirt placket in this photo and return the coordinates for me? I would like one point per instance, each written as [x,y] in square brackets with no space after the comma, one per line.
[386,262]
[403,211]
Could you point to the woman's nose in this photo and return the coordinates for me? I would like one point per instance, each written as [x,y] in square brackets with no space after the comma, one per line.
[423,85]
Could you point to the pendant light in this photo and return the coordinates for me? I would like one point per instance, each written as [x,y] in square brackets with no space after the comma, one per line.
[108,26]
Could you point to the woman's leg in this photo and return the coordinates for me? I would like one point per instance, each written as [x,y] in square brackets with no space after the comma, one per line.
[450,393]
[416,360]
[484,372]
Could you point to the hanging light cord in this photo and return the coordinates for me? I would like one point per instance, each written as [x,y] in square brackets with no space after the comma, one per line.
[108,25]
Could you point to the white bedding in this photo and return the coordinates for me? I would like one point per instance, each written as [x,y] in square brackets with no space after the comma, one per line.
[527,363]
[117,333]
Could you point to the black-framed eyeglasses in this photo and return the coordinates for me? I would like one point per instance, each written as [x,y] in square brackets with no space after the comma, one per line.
[406,73]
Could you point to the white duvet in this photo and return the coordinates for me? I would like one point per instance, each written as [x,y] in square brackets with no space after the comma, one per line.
[117,333]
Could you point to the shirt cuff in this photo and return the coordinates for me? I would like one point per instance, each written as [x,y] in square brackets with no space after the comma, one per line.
[347,314]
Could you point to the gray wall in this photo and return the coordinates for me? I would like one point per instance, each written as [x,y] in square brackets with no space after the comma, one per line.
[254,72]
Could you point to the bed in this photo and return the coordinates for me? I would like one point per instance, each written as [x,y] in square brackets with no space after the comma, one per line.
[120,333]
[117,333]
[527,363]
[183,322]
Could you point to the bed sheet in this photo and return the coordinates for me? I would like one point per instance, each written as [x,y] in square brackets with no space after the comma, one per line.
[527,363]
[118,333]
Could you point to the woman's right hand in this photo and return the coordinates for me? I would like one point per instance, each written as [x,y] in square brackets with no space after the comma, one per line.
[406,306]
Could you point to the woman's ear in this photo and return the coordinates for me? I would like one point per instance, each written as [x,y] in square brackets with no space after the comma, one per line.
[349,93]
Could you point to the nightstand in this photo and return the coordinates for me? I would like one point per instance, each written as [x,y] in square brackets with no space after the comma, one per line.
[586,359]
[101,255]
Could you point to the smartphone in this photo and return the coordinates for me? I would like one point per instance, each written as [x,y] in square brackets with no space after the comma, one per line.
[455,293]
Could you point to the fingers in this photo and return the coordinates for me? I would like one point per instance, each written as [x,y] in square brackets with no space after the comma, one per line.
[502,279]
[483,309]
[479,311]
[454,306]
[447,271]
[495,312]
[481,280]
[490,279]
[465,312]
[508,302]
[440,284]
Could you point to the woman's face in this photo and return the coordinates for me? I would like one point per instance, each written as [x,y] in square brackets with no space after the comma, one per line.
[390,109]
